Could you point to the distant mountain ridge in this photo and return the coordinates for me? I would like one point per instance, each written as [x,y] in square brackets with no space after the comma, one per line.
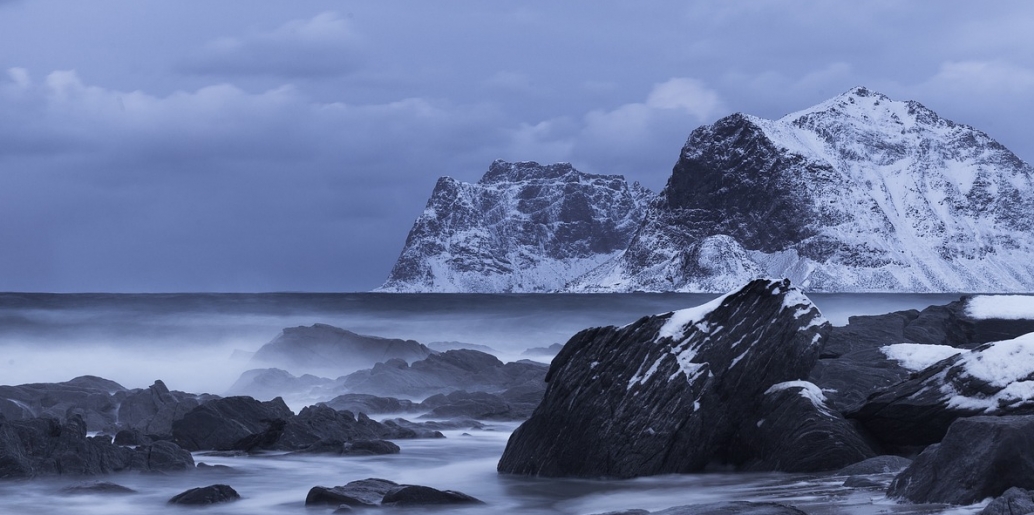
[523,227]
[858,193]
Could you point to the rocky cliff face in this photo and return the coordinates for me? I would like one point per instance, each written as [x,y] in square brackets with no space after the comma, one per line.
[523,227]
[859,193]
[676,392]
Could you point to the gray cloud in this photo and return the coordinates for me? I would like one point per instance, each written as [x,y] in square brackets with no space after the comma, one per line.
[230,148]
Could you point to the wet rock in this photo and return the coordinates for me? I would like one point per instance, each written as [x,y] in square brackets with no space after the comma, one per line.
[266,383]
[878,465]
[982,381]
[131,437]
[93,398]
[364,492]
[161,457]
[980,457]
[1015,501]
[370,404]
[151,411]
[475,405]
[97,487]
[354,448]
[221,423]
[669,393]
[46,447]
[863,482]
[212,494]
[797,431]
[325,348]
[416,495]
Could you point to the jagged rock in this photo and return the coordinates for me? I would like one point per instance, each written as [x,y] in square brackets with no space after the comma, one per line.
[797,431]
[523,227]
[97,487]
[443,373]
[806,197]
[93,398]
[212,494]
[151,411]
[1015,501]
[475,405]
[266,383]
[221,423]
[161,457]
[877,465]
[325,348]
[364,492]
[416,495]
[988,380]
[131,437]
[668,393]
[980,457]
[370,404]
[45,447]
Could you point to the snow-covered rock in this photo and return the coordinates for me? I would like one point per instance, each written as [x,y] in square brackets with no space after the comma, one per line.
[858,193]
[673,393]
[993,379]
[523,227]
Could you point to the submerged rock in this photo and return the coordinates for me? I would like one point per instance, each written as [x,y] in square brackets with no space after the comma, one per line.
[416,495]
[97,487]
[212,494]
[325,348]
[377,492]
[980,457]
[878,465]
[671,393]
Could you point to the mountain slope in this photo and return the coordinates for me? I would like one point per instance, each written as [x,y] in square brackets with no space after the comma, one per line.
[859,193]
[523,227]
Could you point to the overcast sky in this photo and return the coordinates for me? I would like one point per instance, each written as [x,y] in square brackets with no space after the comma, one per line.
[236,145]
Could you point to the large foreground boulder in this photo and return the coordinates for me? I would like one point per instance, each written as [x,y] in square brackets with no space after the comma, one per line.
[672,393]
[993,379]
[219,424]
[204,495]
[980,457]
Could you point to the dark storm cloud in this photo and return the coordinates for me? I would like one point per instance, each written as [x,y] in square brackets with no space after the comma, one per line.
[325,45]
[197,146]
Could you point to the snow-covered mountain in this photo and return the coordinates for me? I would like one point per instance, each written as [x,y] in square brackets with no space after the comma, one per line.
[523,227]
[859,193]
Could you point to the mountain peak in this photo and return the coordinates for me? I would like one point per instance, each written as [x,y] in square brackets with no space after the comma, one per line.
[505,172]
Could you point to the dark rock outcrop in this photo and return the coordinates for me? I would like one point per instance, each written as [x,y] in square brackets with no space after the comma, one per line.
[378,492]
[152,410]
[221,423]
[478,405]
[371,404]
[449,371]
[980,457]
[46,447]
[329,349]
[95,399]
[797,431]
[983,381]
[361,493]
[1015,501]
[416,495]
[878,465]
[669,393]
[97,487]
[204,495]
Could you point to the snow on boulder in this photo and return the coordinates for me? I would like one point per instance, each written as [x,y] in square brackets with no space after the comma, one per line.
[670,393]
[993,379]
[917,356]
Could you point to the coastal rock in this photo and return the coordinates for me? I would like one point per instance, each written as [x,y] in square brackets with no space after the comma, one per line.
[370,404]
[797,431]
[46,447]
[877,465]
[668,393]
[416,495]
[322,348]
[152,410]
[980,457]
[1015,501]
[201,496]
[97,487]
[221,423]
[93,398]
[449,371]
[992,379]
[161,457]
[361,493]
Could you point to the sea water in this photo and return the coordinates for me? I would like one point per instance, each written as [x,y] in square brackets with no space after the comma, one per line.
[200,342]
